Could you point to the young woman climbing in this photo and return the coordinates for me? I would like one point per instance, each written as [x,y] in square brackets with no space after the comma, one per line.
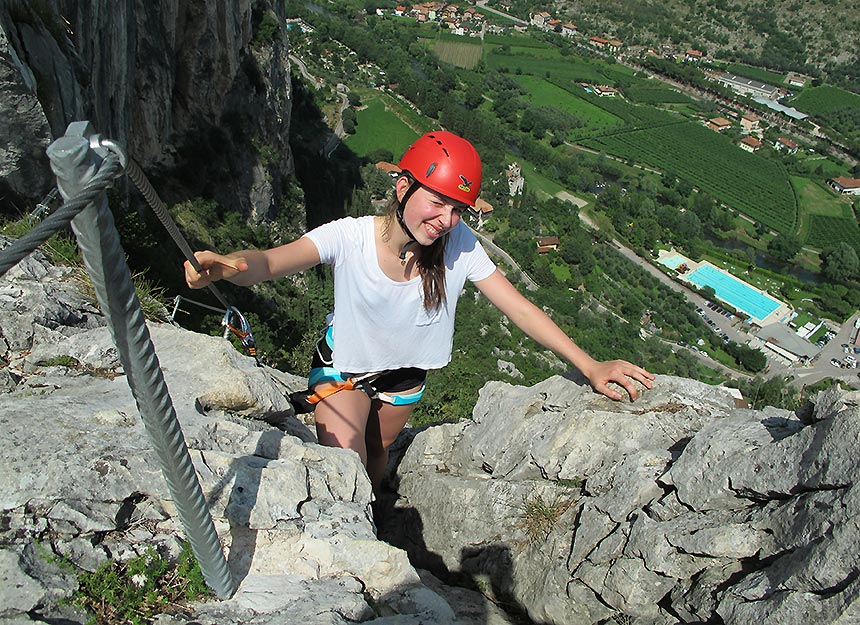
[397,278]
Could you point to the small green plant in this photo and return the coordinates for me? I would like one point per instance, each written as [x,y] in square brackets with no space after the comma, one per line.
[538,517]
[60,361]
[134,592]
[576,482]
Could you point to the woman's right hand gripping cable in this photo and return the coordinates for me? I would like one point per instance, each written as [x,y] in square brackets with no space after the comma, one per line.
[214,267]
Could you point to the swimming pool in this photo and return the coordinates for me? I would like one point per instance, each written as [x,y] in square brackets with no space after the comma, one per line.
[734,292]
[673,262]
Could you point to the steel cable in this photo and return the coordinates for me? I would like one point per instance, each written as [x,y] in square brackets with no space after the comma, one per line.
[151,196]
[73,159]
[105,262]
[60,219]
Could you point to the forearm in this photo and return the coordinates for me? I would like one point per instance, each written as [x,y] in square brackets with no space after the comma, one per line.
[541,328]
[275,263]
[258,270]
[249,267]
[538,325]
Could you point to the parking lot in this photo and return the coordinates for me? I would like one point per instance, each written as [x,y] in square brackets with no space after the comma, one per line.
[715,309]
[849,361]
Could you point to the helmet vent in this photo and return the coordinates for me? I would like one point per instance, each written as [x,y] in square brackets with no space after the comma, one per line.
[430,170]
[446,152]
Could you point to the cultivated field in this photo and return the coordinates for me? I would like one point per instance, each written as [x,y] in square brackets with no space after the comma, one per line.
[379,127]
[458,53]
[543,93]
[835,108]
[827,218]
[549,62]
[825,231]
[645,94]
[824,99]
[755,186]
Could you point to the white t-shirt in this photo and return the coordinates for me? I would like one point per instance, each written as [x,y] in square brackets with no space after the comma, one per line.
[381,324]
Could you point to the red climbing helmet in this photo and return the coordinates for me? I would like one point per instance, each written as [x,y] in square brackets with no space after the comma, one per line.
[445,163]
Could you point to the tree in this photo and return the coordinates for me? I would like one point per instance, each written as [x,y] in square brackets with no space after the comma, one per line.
[776,391]
[840,263]
[750,359]
[349,121]
[783,247]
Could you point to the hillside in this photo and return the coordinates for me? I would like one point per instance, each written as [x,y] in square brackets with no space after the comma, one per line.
[811,37]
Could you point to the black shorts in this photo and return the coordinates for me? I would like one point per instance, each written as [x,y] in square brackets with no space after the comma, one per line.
[386,386]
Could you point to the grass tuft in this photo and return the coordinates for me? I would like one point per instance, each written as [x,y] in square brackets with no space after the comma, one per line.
[136,591]
[538,517]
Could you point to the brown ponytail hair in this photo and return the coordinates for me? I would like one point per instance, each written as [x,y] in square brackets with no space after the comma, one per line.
[431,262]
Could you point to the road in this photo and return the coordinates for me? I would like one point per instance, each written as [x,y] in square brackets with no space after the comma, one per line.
[531,285]
[316,82]
[483,5]
[342,90]
[337,136]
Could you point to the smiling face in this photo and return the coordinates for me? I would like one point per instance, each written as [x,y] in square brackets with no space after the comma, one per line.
[429,215]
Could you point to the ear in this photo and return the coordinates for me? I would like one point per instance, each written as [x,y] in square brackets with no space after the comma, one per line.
[401,187]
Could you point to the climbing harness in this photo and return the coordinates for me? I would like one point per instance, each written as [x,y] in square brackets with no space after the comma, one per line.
[305,401]
[371,384]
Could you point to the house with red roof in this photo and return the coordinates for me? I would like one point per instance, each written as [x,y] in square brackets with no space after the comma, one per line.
[845,186]
[718,123]
[784,143]
[547,244]
[750,144]
[693,56]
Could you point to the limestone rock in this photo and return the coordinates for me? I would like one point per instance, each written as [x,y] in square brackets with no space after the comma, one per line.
[180,85]
[679,507]
[24,129]
[81,480]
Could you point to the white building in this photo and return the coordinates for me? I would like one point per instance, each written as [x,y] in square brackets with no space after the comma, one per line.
[845,186]
[748,86]
[516,182]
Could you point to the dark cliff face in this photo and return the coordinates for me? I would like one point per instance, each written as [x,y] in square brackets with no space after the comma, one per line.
[202,105]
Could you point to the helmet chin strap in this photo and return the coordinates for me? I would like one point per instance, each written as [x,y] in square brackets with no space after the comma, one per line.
[401,205]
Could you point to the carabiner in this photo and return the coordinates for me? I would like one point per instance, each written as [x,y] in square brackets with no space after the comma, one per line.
[243,332]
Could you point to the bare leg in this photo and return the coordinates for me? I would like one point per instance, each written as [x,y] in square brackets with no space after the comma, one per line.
[383,425]
[341,421]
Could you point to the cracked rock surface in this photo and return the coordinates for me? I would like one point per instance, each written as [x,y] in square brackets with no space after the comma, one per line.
[81,481]
[559,503]
[678,508]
